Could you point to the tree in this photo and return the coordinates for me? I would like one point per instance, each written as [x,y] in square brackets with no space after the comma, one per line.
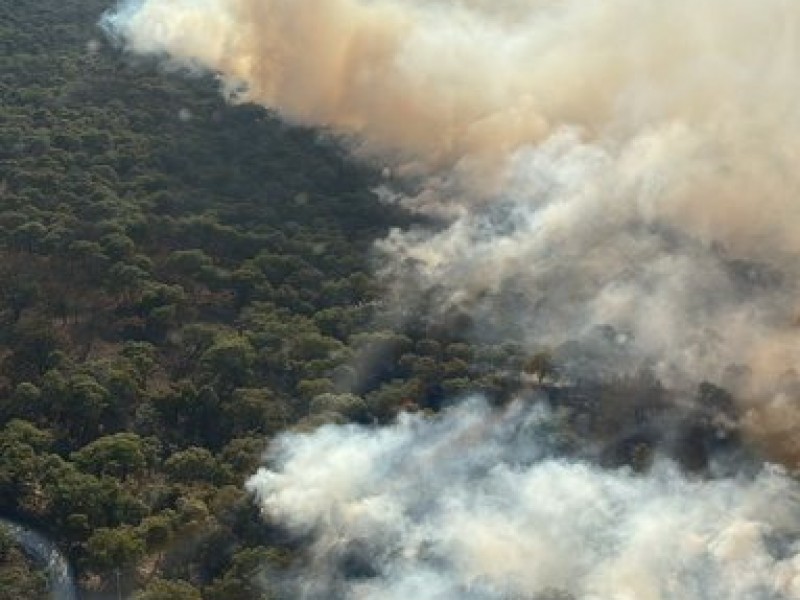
[84,406]
[391,396]
[19,293]
[29,236]
[541,365]
[19,467]
[120,455]
[348,405]
[196,464]
[18,580]
[114,548]
[117,246]
[161,589]
[66,491]
[25,401]
[22,432]
[244,578]
[89,257]
[310,388]
[229,360]
[34,342]
[125,279]
[255,410]
[156,531]
[188,263]
[142,356]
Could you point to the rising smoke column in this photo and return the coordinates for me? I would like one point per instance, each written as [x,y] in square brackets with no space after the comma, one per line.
[621,162]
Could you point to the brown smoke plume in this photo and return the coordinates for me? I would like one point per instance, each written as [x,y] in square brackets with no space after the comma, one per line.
[630,163]
[621,162]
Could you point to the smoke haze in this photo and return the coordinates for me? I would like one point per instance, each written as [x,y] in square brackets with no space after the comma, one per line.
[613,162]
[616,162]
[475,504]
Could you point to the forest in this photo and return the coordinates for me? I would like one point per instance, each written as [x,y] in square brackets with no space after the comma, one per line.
[182,280]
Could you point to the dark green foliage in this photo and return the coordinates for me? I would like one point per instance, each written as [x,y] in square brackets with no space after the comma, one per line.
[173,294]
[196,464]
[18,578]
[120,455]
[160,589]
[113,548]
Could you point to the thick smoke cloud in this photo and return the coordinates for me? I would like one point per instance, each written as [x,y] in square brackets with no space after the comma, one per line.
[476,504]
[616,162]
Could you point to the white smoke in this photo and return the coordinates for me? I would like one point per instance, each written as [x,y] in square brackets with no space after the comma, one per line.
[476,504]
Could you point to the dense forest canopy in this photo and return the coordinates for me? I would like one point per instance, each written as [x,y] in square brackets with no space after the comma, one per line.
[187,281]
[181,280]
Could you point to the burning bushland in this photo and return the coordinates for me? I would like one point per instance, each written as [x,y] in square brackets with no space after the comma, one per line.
[612,180]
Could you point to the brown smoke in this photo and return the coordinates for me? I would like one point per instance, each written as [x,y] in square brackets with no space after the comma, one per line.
[641,156]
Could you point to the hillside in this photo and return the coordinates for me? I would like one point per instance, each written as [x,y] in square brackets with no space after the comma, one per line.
[180,281]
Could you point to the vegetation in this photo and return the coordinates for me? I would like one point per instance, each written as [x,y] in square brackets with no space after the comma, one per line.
[18,579]
[180,280]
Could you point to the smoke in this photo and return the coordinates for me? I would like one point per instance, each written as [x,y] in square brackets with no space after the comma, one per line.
[614,162]
[625,163]
[478,504]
